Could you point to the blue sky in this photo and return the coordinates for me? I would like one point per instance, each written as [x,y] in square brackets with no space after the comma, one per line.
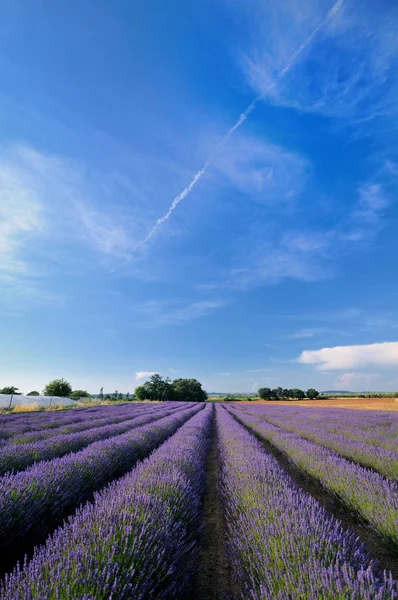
[199,189]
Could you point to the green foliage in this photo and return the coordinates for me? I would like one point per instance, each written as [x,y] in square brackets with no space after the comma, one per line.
[10,390]
[58,387]
[281,393]
[312,394]
[77,394]
[140,392]
[184,390]
[267,393]
[188,390]
[34,393]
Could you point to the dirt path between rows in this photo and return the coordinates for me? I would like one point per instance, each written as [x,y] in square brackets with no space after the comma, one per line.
[378,549]
[214,577]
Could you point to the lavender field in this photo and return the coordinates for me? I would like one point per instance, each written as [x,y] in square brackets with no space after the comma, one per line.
[199,501]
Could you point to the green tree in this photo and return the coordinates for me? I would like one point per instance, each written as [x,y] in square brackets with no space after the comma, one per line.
[297,393]
[188,390]
[34,393]
[10,390]
[266,393]
[101,394]
[58,387]
[76,394]
[312,394]
[140,392]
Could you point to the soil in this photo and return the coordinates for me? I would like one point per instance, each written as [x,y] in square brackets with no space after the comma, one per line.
[378,549]
[352,403]
[214,576]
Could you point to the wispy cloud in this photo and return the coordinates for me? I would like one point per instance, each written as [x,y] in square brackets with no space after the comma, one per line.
[158,313]
[357,381]
[307,255]
[383,354]
[48,201]
[346,71]
[292,59]
[21,216]
[266,173]
[365,220]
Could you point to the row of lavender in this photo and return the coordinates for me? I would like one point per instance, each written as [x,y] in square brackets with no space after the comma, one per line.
[374,427]
[17,433]
[281,543]
[371,496]
[378,428]
[23,426]
[36,500]
[361,451]
[18,457]
[137,540]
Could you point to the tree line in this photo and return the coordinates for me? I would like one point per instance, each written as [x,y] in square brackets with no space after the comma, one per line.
[286,394]
[156,388]
[183,390]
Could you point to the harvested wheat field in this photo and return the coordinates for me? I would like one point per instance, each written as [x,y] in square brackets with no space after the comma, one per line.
[352,403]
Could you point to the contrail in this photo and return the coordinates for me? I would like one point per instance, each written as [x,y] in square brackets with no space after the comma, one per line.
[242,118]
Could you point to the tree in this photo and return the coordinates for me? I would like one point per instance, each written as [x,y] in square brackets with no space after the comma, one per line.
[188,390]
[128,396]
[140,392]
[184,390]
[297,393]
[10,390]
[58,387]
[115,395]
[312,394]
[77,394]
[265,393]
[101,394]
[34,393]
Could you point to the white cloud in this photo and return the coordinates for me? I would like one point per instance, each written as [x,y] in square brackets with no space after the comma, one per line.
[144,374]
[352,357]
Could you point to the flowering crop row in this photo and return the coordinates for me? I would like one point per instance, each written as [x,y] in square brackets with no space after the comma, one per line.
[281,543]
[108,418]
[368,493]
[32,423]
[17,458]
[137,540]
[382,460]
[34,501]
[369,427]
